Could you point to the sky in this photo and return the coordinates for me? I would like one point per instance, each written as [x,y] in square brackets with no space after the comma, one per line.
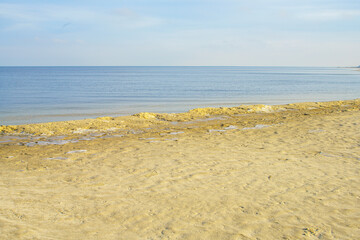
[180,33]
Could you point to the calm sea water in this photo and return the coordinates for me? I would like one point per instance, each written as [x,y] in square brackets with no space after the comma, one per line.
[42,94]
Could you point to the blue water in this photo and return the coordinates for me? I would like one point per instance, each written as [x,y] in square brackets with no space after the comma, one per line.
[42,94]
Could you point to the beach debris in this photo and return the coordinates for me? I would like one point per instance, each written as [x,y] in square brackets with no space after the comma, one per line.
[77,151]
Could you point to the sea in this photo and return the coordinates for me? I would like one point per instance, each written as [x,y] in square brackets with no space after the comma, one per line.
[44,94]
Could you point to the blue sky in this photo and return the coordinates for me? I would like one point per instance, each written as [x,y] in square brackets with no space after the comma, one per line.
[180,32]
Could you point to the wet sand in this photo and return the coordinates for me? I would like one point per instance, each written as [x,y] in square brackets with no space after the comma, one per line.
[251,172]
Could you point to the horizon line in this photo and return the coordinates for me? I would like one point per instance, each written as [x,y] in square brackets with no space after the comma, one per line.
[174,66]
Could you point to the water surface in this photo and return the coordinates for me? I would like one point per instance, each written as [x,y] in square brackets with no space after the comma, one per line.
[42,94]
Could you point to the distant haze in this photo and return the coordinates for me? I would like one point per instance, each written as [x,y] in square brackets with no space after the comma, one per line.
[180,33]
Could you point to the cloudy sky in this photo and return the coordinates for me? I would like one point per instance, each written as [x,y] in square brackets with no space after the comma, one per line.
[180,32]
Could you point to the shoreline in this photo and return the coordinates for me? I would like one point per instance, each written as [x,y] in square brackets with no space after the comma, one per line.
[111,124]
[257,171]
[46,118]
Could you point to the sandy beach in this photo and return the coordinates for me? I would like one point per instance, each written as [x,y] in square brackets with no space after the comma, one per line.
[248,172]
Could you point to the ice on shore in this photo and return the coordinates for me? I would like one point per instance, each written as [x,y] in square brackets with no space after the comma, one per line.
[258,126]
[171,133]
[216,130]
[50,142]
[57,158]
[77,151]
[231,127]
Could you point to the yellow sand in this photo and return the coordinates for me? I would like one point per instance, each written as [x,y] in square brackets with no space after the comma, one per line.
[251,172]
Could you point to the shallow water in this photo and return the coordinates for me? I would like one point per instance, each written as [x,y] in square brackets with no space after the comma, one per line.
[42,94]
